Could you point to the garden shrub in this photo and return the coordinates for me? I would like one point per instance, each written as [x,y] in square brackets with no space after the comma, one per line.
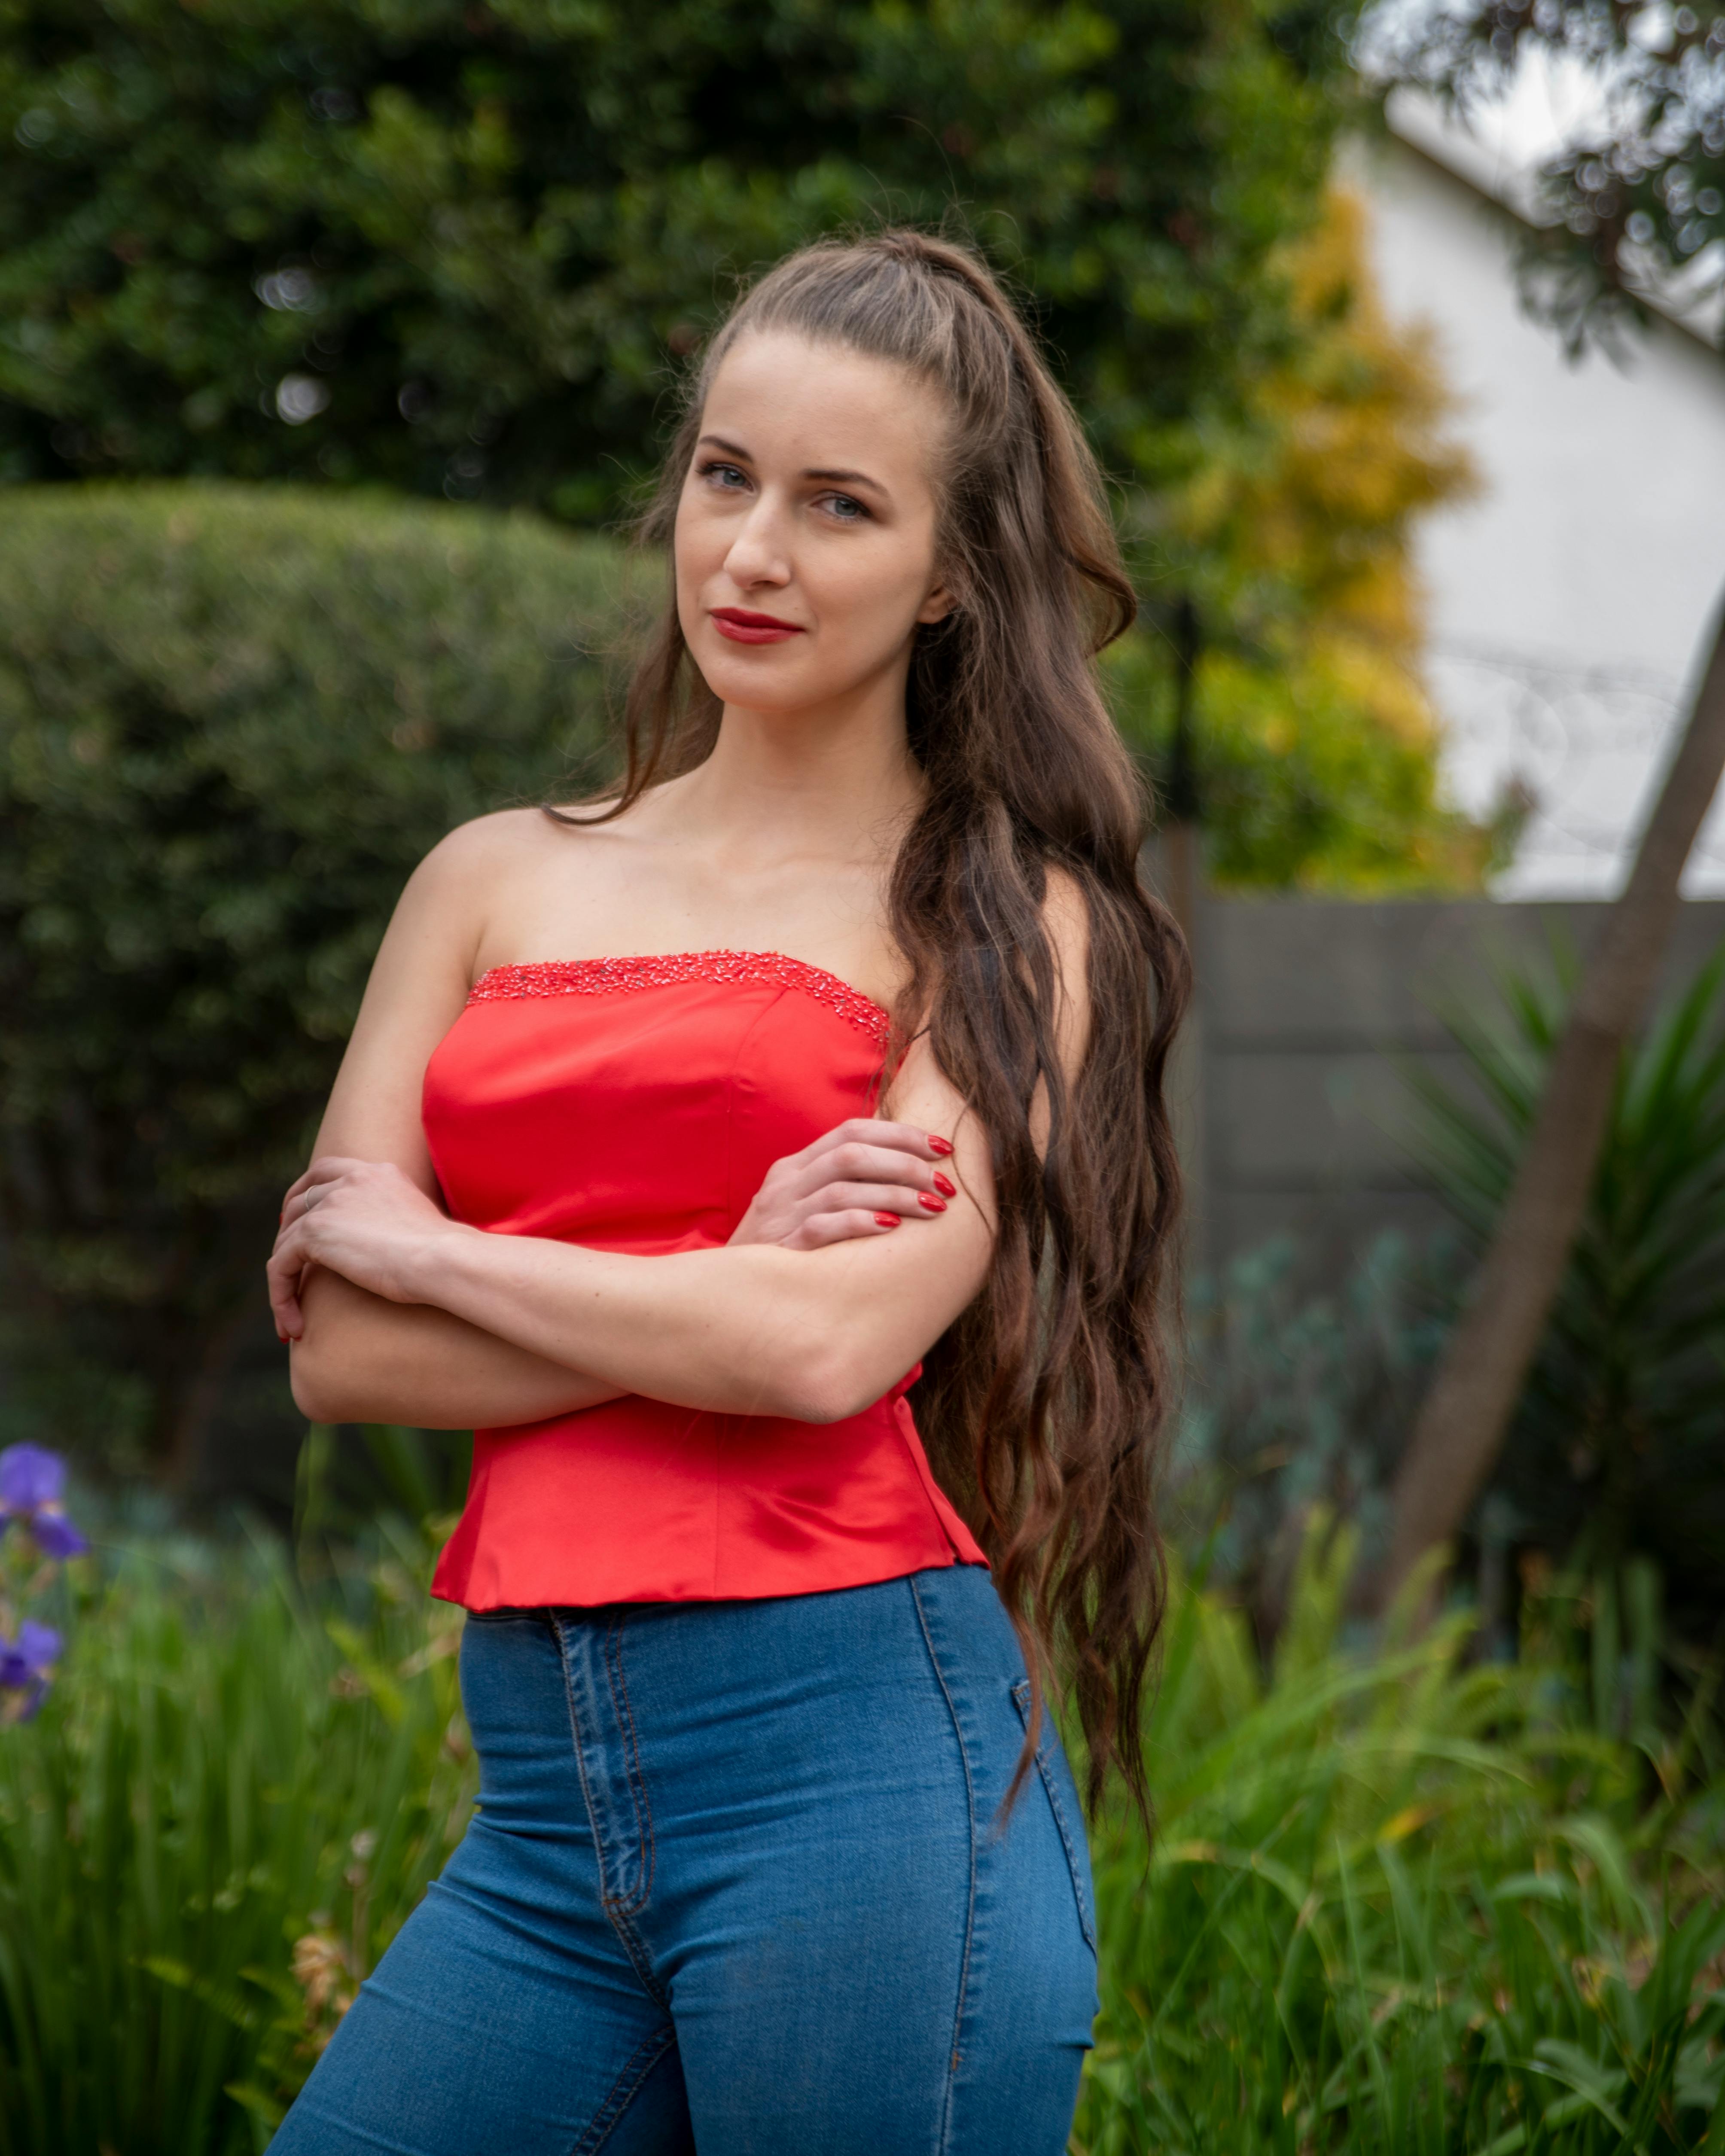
[231,720]
[1295,1399]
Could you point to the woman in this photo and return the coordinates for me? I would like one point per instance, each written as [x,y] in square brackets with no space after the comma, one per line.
[775,1850]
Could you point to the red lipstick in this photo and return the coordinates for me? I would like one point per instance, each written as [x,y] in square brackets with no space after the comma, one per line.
[743,627]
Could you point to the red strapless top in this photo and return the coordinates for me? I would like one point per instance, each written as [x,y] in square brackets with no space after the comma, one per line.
[635,1104]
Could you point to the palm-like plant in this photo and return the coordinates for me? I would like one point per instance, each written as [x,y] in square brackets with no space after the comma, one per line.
[1616,1446]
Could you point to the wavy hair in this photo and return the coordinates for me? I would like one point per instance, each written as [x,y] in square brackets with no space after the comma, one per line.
[1043,1406]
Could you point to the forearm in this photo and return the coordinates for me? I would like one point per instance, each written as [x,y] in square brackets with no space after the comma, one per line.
[754,1330]
[364,1359]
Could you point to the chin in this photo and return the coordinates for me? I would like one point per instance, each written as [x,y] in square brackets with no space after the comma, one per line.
[755,686]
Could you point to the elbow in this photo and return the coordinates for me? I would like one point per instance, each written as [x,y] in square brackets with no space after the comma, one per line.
[823,1384]
[320,1392]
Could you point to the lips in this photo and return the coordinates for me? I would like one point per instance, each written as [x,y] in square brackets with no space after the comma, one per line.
[743,627]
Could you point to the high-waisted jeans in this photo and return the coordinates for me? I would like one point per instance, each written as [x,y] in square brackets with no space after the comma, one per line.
[739,1880]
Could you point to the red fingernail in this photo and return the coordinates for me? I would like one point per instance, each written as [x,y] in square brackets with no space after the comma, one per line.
[947,1189]
[931,1204]
[281,1337]
[886,1220]
[942,1146]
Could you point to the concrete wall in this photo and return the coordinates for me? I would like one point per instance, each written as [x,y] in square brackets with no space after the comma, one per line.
[1308,1012]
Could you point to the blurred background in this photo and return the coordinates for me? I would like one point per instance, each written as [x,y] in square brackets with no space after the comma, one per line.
[336,342]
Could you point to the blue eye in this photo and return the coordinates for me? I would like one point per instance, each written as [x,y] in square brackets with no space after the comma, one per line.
[724,474]
[846,508]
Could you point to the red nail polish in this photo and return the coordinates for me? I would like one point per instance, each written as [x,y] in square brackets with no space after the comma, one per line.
[931,1204]
[942,1146]
[947,1189]
[886,1220]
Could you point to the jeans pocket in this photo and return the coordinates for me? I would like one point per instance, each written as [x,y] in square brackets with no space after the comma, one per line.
[1063,1802]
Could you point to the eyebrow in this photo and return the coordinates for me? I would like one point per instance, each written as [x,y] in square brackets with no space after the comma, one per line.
[832,478]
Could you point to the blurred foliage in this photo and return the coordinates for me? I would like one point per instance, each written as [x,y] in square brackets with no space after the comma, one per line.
[1634,200]
[349,1476]
[1317,748]
[462,250]
[1615,1451]
[231,721]
[1401,1906]
[1297,1403]
[1301,783]
[1396,1906]
[228,1807]
[1309,513]
[455,246]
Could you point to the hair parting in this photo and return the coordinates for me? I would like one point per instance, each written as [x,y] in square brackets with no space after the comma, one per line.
[1044,1407]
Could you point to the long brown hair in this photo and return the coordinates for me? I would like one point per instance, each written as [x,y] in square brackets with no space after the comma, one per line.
[1043,1406]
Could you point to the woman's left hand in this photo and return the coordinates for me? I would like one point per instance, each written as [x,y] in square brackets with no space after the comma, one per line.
[362,1219]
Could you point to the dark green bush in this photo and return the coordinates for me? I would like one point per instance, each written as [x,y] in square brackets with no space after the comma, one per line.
[453,246]
[231,720]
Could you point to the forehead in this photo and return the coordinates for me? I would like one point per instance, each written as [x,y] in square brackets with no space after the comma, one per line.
[793,401]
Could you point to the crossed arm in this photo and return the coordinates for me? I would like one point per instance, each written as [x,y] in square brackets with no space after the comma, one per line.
[411,1317]
[398,1313]
[406,1316]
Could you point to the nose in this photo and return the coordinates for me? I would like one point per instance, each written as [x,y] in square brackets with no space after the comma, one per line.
[758,553]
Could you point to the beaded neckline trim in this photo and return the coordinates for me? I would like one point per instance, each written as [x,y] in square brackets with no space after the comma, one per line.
[595,977]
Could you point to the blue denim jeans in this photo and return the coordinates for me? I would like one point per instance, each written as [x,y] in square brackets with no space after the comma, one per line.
[739,1880]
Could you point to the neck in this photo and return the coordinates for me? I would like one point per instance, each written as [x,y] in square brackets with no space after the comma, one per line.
[834,782]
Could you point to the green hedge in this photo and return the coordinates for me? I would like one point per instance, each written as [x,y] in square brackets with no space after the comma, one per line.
[231,720]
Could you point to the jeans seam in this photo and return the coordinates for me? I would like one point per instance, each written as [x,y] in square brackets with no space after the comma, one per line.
[576,1746]
[637,1780]
[1057,1805]
[616,1911]
[623,2091]
[953,2056]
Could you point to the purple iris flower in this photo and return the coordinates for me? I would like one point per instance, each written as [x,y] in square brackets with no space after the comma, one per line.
[26,1664]
[31,1480]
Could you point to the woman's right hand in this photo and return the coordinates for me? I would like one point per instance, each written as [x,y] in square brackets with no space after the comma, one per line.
[861,1179]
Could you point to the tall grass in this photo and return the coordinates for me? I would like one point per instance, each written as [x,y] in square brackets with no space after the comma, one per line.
[1395,1904]
[1400,1907]
[227,1781]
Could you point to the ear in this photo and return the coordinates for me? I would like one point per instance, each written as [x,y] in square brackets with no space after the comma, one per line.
[939,604]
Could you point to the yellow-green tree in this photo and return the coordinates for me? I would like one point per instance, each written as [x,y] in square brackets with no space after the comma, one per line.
[1317,746]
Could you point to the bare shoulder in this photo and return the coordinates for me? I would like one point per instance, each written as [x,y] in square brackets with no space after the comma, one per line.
[488,846]
[482,869]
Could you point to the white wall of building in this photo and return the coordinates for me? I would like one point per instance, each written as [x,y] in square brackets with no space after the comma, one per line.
[1567,603]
